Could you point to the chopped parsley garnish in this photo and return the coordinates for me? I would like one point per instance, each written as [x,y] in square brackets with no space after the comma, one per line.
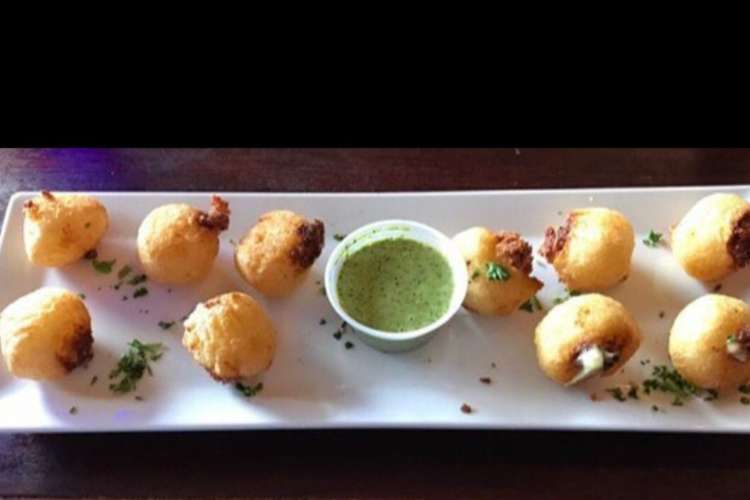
[82,295]
[616,393]
[667,380]
[93,380]
[322,321]
[654,408]
[73,410]
[745,400]
[339,237]
[731,339]
[485,380]
[133,364]
[644,362]
[633,391]
[653,239]
[140,292]
[138,398]
[126,269]
[496,272]
[475,274]
[137,279]
[349,345]
[532,305]
[744,389]
[166,325]
[322,290]
[247,390]
[337,335]
[103,266]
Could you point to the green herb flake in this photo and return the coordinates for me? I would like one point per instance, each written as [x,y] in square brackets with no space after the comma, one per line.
[247,390]
[349,345]
[93,380]
[138,398]
[745,400]
[633,391]
[744,389]
[713,395]
[654,408]
[73,410]
[475,274]
[566,295]
[137,279]
[322,321]
[322,290]
[532,305]
[140,292]
[337,335]
[667,380]
[616,393]
[339,237]
[103,266]
[653,239]
[124,271]
[496,272]
[166,325]
[82,296]
[133,364]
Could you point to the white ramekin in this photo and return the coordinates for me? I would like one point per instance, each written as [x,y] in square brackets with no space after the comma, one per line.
[396,341]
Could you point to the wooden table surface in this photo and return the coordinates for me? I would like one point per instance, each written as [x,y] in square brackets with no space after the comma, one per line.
[377,463]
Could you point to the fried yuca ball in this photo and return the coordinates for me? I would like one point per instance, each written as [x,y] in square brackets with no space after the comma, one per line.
[592,251]
[231,336]
[713,238]
[277,253]
[59,229]
[45,334]
[499,267]
[178,243]
[710,341]
[585,335]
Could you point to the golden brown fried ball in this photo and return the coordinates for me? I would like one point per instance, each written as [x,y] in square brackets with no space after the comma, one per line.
[277,253]
[582,331]
[710,340]
[592,251]
[45,334]
[59,229]
[178,243]
[713,238]
[482,248]
[231,336]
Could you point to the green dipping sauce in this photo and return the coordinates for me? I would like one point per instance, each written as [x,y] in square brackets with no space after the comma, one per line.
[395,285]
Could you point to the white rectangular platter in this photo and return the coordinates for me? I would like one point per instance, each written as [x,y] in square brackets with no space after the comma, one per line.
[315,382]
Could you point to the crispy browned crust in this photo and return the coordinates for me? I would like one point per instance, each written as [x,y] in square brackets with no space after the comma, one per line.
[48,195]
[554,241]
[80,351]
[218,217]
[738,244]
[310,244]
[515,249]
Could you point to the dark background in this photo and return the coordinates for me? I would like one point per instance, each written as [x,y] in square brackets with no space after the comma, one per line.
[375,463]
